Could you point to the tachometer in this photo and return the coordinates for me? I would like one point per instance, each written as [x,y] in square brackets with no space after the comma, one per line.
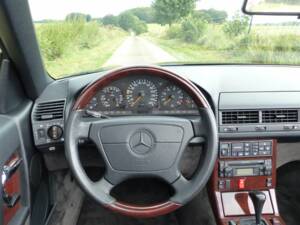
[111,97]
[142,93]
[171,96]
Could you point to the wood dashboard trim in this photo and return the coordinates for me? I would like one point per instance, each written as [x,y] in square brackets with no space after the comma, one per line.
[12,186]
[256,184]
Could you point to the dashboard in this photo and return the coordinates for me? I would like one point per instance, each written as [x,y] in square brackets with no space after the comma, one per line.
[139,95]
[245,102]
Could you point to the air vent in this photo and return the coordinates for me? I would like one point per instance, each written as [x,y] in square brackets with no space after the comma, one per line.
[49,110]
[240,117]
[279,116]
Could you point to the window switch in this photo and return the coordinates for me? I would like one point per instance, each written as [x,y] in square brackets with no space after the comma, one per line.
[228,184]
[41,133]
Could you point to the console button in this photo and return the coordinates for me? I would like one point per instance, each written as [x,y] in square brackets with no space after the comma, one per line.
[240,154]
[228,184]
[241,183]
[247,144]
[221,184]
[224,152]
[237,147]
[234,154]
[268,148]
[255,153]
[225,149]
[228,172]
[269,182]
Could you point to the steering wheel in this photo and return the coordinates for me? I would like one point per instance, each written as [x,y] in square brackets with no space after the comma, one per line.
[142,146]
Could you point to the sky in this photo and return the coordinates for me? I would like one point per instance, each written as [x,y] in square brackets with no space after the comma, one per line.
[58,9]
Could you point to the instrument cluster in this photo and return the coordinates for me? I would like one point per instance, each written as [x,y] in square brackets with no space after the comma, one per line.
[142,95]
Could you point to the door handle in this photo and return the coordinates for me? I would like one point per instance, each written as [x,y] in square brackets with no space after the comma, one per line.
[7,172]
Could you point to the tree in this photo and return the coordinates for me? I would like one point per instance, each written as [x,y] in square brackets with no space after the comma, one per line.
[192,28]
[110,20]
[78,17]
[140,27]
[170,11]
[129,22]
[237,26]
[212,15]
[145,14]
[126,21]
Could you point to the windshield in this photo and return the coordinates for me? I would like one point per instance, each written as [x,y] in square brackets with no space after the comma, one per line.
[81,36]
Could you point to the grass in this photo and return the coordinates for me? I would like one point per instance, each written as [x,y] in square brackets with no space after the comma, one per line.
[264,45]
[71,48]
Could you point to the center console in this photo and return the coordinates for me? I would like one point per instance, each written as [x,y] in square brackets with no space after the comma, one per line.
[242,186]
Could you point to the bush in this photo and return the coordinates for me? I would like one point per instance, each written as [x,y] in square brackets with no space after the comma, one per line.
[140,27]
[55,38]
[86,37]
[237,26]
[192,29]
[130,22]
[214,39]
[174,31]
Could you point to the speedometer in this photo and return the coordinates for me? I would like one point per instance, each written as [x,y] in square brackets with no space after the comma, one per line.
[111,97]
[142,93]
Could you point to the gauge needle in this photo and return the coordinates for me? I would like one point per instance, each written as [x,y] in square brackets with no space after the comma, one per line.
[137,100]
[168,100]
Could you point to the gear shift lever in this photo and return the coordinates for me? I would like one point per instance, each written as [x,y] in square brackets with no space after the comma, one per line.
[258,199]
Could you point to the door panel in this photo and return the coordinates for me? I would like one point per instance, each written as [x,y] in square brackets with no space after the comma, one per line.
[14,194]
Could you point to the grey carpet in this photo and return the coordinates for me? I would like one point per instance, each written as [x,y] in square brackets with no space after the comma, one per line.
[197,212]
[288,192]
[94,214]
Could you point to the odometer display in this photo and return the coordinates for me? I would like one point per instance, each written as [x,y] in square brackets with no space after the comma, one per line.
[142,93]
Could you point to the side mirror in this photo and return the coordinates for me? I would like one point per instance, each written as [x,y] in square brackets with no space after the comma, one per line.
[272,7]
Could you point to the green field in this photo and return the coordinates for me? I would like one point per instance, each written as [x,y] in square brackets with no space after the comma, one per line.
[72,48]
[264,44]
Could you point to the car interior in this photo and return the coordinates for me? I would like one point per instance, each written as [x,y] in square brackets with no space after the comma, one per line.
[146,144]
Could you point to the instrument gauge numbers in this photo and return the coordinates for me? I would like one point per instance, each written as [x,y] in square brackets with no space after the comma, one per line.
[142,95]
[172,96]
[111,97]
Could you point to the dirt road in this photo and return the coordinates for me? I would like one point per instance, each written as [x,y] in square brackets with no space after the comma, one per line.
[138,51]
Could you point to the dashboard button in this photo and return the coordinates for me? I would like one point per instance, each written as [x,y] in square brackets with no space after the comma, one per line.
[55,132]
[41,133]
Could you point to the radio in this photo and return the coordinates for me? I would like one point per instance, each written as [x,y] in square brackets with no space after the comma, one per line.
[240,168]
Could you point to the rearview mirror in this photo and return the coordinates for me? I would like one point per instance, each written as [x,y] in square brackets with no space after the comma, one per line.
[272,7]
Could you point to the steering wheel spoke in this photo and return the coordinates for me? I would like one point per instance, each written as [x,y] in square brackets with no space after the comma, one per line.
[80,126]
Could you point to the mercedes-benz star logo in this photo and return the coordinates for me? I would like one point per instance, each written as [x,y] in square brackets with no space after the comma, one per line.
[141,142]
